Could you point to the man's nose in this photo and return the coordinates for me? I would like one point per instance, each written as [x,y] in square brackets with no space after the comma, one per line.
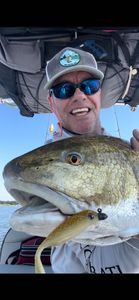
[78,94]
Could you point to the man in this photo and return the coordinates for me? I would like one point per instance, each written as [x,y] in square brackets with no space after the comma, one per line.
[78,113]
[74,87]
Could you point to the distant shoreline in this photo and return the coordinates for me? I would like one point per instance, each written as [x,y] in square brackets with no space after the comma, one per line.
[8,202]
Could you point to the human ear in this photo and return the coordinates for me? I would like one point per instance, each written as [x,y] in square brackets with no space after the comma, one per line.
[51,103]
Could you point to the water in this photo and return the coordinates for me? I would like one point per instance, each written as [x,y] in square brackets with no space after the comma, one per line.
[5,214]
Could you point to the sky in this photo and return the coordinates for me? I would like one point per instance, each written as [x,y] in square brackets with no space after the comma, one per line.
[19,134]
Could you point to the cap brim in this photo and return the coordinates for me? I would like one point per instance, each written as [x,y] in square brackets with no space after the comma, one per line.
[95,72]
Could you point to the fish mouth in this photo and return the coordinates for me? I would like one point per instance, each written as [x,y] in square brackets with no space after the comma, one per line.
[43,209]
[40,205]
[25,193]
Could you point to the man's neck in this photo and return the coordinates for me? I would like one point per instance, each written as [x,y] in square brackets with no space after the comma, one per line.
[97,130]
[101,131]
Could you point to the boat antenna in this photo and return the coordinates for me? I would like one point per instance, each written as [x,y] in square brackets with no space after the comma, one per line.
[117,123]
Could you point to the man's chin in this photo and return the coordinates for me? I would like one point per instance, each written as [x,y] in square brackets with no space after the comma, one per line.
[83,129]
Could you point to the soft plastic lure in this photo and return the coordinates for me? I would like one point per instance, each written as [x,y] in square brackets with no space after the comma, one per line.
[71,227]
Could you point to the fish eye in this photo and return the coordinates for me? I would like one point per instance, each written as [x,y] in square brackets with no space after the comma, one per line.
[74,159]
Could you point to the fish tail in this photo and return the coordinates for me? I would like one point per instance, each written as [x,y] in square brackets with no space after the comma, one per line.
[38,264]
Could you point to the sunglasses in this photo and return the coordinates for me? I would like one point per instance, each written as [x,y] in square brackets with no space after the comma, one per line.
[67,89]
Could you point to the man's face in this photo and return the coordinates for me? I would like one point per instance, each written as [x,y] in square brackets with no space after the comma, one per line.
[79,113]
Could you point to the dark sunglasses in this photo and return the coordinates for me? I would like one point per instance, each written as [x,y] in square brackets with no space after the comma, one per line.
[67,89]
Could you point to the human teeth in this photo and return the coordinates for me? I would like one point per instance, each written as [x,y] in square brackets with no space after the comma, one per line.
[78,110]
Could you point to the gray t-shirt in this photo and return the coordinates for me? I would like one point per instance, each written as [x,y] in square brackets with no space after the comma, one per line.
[114,259]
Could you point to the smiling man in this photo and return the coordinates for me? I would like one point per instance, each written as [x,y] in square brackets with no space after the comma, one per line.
[74,87]
[79,113]
[74,84]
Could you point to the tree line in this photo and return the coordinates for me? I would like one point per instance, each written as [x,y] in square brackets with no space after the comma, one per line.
[8,202]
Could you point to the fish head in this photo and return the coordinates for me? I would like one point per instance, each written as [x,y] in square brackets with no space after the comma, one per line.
[75,174]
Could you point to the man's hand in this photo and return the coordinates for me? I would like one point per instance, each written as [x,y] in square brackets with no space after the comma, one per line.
[135,140]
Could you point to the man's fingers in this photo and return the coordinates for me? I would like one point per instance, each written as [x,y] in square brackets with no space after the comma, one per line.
[136,134]
[135,140]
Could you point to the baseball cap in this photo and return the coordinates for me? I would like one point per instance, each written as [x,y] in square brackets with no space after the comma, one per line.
[68,60]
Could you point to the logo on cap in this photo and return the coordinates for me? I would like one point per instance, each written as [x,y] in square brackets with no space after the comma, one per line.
[69,58]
